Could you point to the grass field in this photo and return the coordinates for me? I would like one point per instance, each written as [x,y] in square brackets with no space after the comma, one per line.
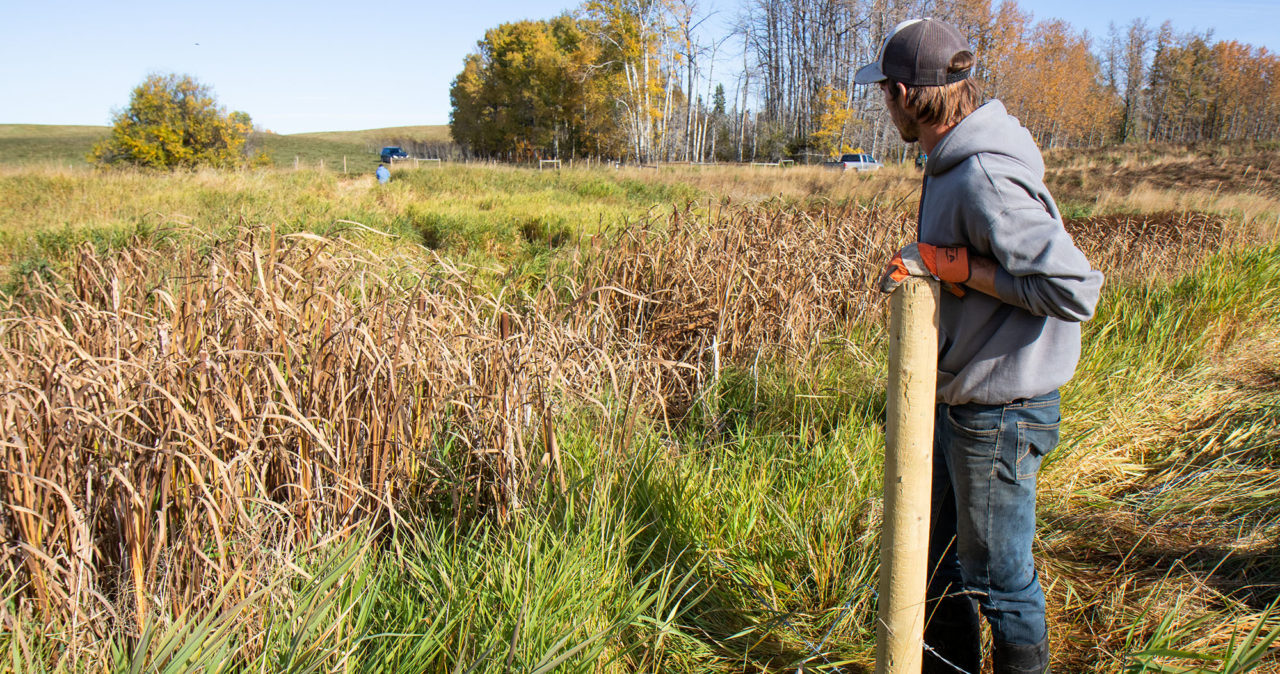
[50,145]
[375,138]
[494,419]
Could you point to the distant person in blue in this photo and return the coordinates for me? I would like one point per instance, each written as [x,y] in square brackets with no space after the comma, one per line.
[384,176]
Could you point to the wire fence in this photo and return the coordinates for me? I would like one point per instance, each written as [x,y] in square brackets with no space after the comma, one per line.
[816,651]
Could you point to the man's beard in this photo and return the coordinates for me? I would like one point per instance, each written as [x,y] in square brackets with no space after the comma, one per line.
[908,127]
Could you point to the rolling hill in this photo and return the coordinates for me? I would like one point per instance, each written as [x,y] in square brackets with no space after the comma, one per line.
[435,133]
[65,145]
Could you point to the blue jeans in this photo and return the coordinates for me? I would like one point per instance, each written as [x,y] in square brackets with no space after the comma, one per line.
[984,510]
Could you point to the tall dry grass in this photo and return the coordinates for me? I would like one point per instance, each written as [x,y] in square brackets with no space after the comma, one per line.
[173,415]
[181,418]
[749,280]
[1157,245]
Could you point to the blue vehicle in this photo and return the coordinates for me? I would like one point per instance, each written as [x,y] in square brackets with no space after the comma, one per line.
[393,152]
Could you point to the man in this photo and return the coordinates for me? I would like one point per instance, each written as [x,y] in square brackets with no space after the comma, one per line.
[1009,336]
[384,175]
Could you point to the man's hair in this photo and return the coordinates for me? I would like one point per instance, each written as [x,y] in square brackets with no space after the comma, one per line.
[945,104]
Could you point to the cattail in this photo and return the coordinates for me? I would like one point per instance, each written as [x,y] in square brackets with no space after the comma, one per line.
[319,365]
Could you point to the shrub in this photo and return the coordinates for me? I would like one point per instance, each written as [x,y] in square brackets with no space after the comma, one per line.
[173,121]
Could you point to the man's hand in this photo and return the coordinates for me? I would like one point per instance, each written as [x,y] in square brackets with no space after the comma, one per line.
[949,265]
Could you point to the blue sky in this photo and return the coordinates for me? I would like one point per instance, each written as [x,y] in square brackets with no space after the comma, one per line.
[323,65]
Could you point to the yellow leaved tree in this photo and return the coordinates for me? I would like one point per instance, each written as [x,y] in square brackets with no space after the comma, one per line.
[834,116]
[637,36]
[173,121]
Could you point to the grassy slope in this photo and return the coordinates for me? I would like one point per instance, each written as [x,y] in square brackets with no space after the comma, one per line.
[52,132]
[358,148]
[64,145]
[426,133]
[1242,179]
[47,144]
[309,152]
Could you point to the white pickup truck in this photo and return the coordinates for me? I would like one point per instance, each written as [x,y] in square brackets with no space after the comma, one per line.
[854,162]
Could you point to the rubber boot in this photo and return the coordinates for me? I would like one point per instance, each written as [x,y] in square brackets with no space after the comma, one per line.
[1020,658]
[953,637]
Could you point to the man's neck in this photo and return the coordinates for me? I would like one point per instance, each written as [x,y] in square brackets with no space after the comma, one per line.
[932,134]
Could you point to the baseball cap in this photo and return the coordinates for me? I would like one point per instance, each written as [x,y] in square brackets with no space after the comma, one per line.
[917,53]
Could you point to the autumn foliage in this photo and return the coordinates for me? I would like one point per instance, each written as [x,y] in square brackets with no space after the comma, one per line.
[529,89]
[632,79]
[173,121]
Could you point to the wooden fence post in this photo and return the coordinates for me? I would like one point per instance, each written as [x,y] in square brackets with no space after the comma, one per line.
[908,470]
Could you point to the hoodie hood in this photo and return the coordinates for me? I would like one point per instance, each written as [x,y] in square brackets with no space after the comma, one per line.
[989,129]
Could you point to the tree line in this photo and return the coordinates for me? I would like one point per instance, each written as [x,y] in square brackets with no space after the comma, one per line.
[653,80]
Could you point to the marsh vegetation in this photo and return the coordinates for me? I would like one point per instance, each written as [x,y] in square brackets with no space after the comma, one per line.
[483,419]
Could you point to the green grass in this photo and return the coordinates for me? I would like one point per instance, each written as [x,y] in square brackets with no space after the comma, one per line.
[1165,653]
[438,133]
[67,145]
[508,220]
[1156,329]
[48,144]
[1165,482]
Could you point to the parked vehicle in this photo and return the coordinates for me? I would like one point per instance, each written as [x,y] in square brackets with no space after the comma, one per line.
[854,162]
[392,152]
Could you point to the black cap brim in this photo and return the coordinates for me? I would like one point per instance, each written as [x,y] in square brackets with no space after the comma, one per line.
[869,74]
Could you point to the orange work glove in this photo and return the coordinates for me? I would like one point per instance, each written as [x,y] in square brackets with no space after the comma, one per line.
[949,265]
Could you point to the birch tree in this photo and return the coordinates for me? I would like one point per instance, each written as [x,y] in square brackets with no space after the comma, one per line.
[636,34]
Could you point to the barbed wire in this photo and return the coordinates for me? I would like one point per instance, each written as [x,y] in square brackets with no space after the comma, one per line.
[817,650]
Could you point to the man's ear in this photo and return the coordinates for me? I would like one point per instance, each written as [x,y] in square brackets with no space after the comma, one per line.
[900,95]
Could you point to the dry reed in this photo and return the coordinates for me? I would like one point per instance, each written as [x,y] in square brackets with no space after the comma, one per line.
[180,416]
[1156,245]
[171,416]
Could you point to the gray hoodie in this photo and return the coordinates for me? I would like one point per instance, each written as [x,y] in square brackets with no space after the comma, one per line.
[984,189]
